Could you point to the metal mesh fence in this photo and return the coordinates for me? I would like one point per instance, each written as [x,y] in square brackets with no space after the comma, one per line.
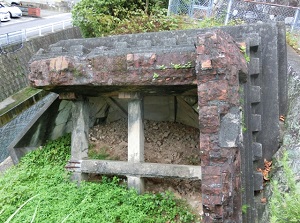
[194,8]
[239,10]
[251,12]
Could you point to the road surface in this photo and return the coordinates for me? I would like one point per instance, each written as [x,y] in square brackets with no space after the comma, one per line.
[25,22]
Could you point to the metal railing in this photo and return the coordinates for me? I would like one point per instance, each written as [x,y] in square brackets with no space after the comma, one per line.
[23,35]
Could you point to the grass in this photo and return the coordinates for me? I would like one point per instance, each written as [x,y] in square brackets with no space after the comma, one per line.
[285,204]
[38,190]
[293,39]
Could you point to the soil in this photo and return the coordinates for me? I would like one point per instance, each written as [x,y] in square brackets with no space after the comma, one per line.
[165,142]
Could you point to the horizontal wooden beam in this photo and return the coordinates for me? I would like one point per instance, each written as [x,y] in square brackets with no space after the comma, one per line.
[124,168]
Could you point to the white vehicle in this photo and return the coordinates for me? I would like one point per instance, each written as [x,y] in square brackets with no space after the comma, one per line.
[4,15]
[14,11]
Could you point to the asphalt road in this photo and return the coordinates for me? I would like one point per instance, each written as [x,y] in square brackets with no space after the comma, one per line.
[25,22]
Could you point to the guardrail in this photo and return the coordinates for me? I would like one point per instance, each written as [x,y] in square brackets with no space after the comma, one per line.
[25,34]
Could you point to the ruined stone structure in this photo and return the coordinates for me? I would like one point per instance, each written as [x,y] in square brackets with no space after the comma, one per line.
[237,130]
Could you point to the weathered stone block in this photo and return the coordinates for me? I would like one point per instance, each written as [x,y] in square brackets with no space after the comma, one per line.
[257,151]
[254,66]
[255,123]
[258,181]
[229,133]
[209,119]
[212,90]
[255,92]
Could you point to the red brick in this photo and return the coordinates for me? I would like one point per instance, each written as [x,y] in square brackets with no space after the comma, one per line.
[211,170]
[212,200]
[200,49]
[212,91]
[204,142]
[210,180]
[206,64]
[209,119]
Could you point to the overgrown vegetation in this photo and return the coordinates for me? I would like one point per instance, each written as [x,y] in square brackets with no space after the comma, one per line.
[293,39]
[39,190]
[284,204]
[98,18]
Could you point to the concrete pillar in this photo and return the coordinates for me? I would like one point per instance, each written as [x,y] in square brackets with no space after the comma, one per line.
[80,133]
[135,139]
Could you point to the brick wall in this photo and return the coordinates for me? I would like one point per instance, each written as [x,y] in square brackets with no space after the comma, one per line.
[219,63]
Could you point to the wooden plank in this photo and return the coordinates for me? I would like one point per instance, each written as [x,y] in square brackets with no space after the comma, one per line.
[186,114]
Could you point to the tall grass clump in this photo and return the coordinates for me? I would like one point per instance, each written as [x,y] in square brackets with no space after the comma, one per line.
[38,190]
[285,204]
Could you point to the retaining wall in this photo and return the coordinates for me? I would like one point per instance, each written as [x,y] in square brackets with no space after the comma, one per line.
[14,60]
[13,78]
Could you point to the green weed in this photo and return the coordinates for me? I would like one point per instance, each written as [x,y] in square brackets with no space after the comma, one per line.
[245,208]
[285,205]
[293,39]
[244,51]
[182,66]
[41,175]
[155,76]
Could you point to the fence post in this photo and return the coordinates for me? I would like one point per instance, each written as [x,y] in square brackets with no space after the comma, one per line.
[23,31]
[228,11]
[210,7]
[169,8]
[295,19]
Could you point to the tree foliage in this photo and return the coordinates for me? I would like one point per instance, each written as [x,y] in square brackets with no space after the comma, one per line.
[98,18]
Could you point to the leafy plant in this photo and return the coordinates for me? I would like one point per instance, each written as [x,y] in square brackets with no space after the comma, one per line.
[245,208]
[182,66]
[98,18]
[284,204]
[293,39]
[155,76]
[244,51]
[95,154]
[38,189]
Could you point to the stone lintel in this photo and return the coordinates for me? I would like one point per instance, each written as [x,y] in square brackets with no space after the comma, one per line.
[124,168]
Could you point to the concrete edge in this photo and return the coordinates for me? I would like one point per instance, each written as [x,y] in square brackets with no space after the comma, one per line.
[14,153]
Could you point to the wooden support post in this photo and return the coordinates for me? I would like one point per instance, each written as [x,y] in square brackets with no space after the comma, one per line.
[80,133]
[135,139]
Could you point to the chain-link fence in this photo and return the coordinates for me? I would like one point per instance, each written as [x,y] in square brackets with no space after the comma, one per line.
[194,8]
[238,10]
[251,12]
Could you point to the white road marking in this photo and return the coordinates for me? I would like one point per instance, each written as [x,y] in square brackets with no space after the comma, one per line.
[14,21]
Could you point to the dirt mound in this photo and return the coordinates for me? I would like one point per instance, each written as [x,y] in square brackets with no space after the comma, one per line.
[165,142]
